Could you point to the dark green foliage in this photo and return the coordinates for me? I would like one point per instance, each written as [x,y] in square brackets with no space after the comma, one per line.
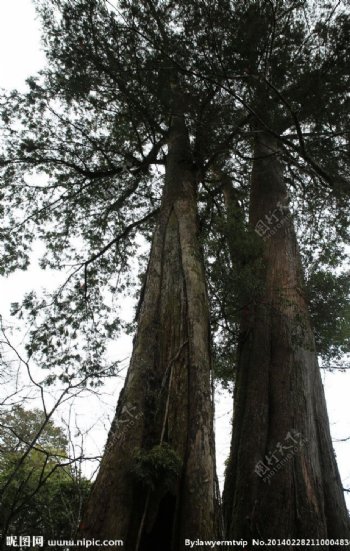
[330,310]
[234,263]
[19,426]
[42,491]
[159,467]
[247,264]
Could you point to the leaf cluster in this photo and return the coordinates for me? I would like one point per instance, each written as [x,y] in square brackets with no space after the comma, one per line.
[38,495]
[159,467]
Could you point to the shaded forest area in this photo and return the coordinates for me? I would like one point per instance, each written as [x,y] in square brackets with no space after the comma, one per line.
[194,155]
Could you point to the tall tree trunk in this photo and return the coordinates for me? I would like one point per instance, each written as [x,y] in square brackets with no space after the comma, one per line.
[282,479]
[166,400]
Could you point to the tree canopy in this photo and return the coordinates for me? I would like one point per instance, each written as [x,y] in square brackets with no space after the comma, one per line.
[83,152]
[41,489]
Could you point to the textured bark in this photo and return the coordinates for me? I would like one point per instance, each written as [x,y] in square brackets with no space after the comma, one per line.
[168,386]
[279,390]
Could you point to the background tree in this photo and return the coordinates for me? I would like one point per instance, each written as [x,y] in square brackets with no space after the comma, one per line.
[45,496]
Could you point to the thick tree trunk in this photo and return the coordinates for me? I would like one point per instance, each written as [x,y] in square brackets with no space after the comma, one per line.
[167,394]
[282,479]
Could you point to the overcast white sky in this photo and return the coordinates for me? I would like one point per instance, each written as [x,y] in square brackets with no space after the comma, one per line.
[20,57]
[20,53]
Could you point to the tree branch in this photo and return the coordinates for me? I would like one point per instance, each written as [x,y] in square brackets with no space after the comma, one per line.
[120,236]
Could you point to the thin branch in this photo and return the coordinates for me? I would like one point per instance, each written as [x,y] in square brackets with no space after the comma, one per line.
[118,238]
